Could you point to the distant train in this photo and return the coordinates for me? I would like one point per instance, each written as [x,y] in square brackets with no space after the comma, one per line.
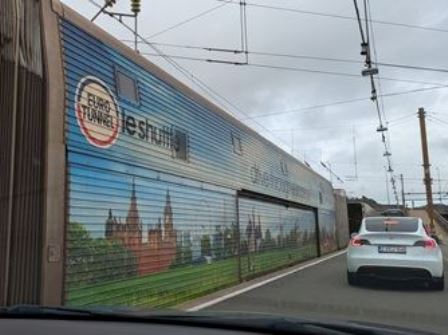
[122,186]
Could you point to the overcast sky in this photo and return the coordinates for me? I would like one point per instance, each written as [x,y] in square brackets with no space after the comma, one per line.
[324,133]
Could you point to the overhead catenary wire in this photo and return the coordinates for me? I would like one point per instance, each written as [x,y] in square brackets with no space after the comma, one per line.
[437,120]
[439,115]
[252,52]
[341,17]
[396,121]
[292,56]
[412,67]
[304,129]
[343,102]
[291,68]
[387,144]
[243,26]
[190,19]
[370,72]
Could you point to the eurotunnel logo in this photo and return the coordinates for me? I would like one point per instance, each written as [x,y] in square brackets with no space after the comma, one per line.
[101,121]
[97,112]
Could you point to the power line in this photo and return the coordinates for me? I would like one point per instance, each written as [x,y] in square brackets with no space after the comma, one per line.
[342,17]
[291,68]
[399,123]
[381,178]
[295,56]
[437,120]
[413,67]
[396,121]
[440,117]
[256,53]
[194,17]
[406,116]
[343,102]
[335,73]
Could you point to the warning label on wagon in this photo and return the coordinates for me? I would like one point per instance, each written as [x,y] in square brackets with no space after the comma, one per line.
[97,112]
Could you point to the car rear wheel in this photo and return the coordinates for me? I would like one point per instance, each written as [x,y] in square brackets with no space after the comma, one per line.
[352,278]
[438,284]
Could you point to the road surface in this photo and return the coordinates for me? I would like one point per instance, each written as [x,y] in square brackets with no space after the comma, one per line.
[321,291]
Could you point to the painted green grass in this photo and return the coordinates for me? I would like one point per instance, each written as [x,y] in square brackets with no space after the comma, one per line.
[182,284]
[261,263]
[162,289]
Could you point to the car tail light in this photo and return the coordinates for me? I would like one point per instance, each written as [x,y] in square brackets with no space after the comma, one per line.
[357,242]
[427,244]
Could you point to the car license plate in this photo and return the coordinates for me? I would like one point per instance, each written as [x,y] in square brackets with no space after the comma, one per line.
[391,249]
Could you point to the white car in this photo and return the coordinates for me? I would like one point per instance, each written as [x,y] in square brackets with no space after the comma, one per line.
[396,248]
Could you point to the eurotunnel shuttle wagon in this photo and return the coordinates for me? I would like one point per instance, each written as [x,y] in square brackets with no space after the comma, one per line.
[125,187]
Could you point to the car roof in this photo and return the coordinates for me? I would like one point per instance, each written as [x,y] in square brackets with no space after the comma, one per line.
[391,211]
[401,218]
[384,217]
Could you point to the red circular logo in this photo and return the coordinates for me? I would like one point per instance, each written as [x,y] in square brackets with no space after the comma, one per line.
[97,112]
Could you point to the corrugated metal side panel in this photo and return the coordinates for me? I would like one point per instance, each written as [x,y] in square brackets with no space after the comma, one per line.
[327,231]
[20,251]
[142,238]
[342,226]
[211,155]
[6,75]
[28,194]
[274,236]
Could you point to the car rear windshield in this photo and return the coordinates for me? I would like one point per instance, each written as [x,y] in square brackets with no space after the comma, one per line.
[394,224]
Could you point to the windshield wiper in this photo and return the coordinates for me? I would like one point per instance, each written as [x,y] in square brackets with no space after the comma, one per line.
[232,321]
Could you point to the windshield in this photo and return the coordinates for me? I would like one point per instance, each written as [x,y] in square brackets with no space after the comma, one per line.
[397,225]
[223,155]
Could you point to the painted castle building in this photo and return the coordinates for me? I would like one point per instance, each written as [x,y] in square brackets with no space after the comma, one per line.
[159,250]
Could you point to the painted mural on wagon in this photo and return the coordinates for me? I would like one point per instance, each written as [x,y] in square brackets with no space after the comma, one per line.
[140,233]
[274,235]
[327,231]
[141,229]
[135,234]
[147,247]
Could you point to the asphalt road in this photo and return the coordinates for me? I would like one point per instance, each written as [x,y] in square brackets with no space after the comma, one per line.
[321,291]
